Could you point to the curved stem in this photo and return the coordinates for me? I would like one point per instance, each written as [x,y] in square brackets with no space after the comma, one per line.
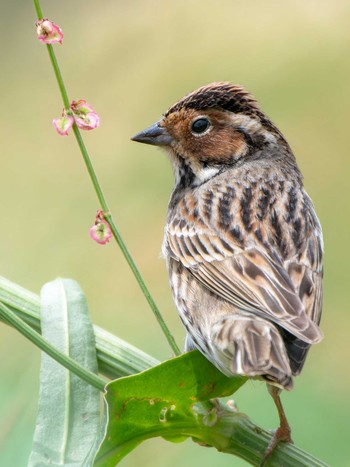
[10,318]
[115,357]
[103,202]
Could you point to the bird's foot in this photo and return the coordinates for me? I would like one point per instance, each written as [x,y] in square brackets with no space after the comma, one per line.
[282,434]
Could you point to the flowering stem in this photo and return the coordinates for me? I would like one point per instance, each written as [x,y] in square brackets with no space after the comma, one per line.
[38,9]
[58,75]
[102,199]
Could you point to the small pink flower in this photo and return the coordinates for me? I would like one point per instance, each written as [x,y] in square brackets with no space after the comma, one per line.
[81,106]
[101,232]
[63,125]
[48,32]
[89,121]
[85,116]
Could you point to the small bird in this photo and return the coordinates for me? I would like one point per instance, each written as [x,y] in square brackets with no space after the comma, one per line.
[242,242]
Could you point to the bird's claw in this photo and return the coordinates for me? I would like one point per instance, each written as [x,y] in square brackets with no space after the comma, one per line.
[282,434]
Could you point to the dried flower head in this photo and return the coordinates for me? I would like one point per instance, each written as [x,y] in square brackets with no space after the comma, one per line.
[82,113]
[48,32]
[85,116]
[81,107]
[87,122]
[101,231]
[63,124]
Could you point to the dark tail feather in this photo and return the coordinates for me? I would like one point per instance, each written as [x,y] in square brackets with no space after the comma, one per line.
[296,350]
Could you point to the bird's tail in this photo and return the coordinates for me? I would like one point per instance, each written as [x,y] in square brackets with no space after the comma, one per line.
[251,346]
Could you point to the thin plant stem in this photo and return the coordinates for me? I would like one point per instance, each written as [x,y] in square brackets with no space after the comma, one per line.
[37,6]
[103,202]
[58,75]
[11,318]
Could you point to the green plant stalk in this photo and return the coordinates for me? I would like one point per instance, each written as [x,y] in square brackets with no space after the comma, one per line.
[115,357]
[236,434]
[11,318]
[102,199]
[233,433]
[37,7]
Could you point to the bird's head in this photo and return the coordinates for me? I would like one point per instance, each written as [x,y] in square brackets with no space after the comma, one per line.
[212,127]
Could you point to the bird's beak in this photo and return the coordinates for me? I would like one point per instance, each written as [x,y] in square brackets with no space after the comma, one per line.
[155,134]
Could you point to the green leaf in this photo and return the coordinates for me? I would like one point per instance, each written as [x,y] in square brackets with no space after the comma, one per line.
[163,401]
[68,420]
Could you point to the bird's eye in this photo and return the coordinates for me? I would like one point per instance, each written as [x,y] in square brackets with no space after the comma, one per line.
[200,126]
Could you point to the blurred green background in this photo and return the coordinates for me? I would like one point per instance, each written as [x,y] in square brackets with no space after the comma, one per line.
[131,60]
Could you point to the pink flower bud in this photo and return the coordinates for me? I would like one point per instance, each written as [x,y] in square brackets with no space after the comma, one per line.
[63,125]
[101,231]
[48,32]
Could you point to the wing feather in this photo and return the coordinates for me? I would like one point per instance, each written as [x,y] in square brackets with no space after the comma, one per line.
[251,275]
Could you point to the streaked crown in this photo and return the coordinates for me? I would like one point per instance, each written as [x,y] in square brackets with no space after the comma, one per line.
[221,95]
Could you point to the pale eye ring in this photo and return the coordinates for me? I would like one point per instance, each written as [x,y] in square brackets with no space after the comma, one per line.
[200,126]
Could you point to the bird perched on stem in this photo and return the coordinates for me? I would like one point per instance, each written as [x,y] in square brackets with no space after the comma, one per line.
[242,241]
